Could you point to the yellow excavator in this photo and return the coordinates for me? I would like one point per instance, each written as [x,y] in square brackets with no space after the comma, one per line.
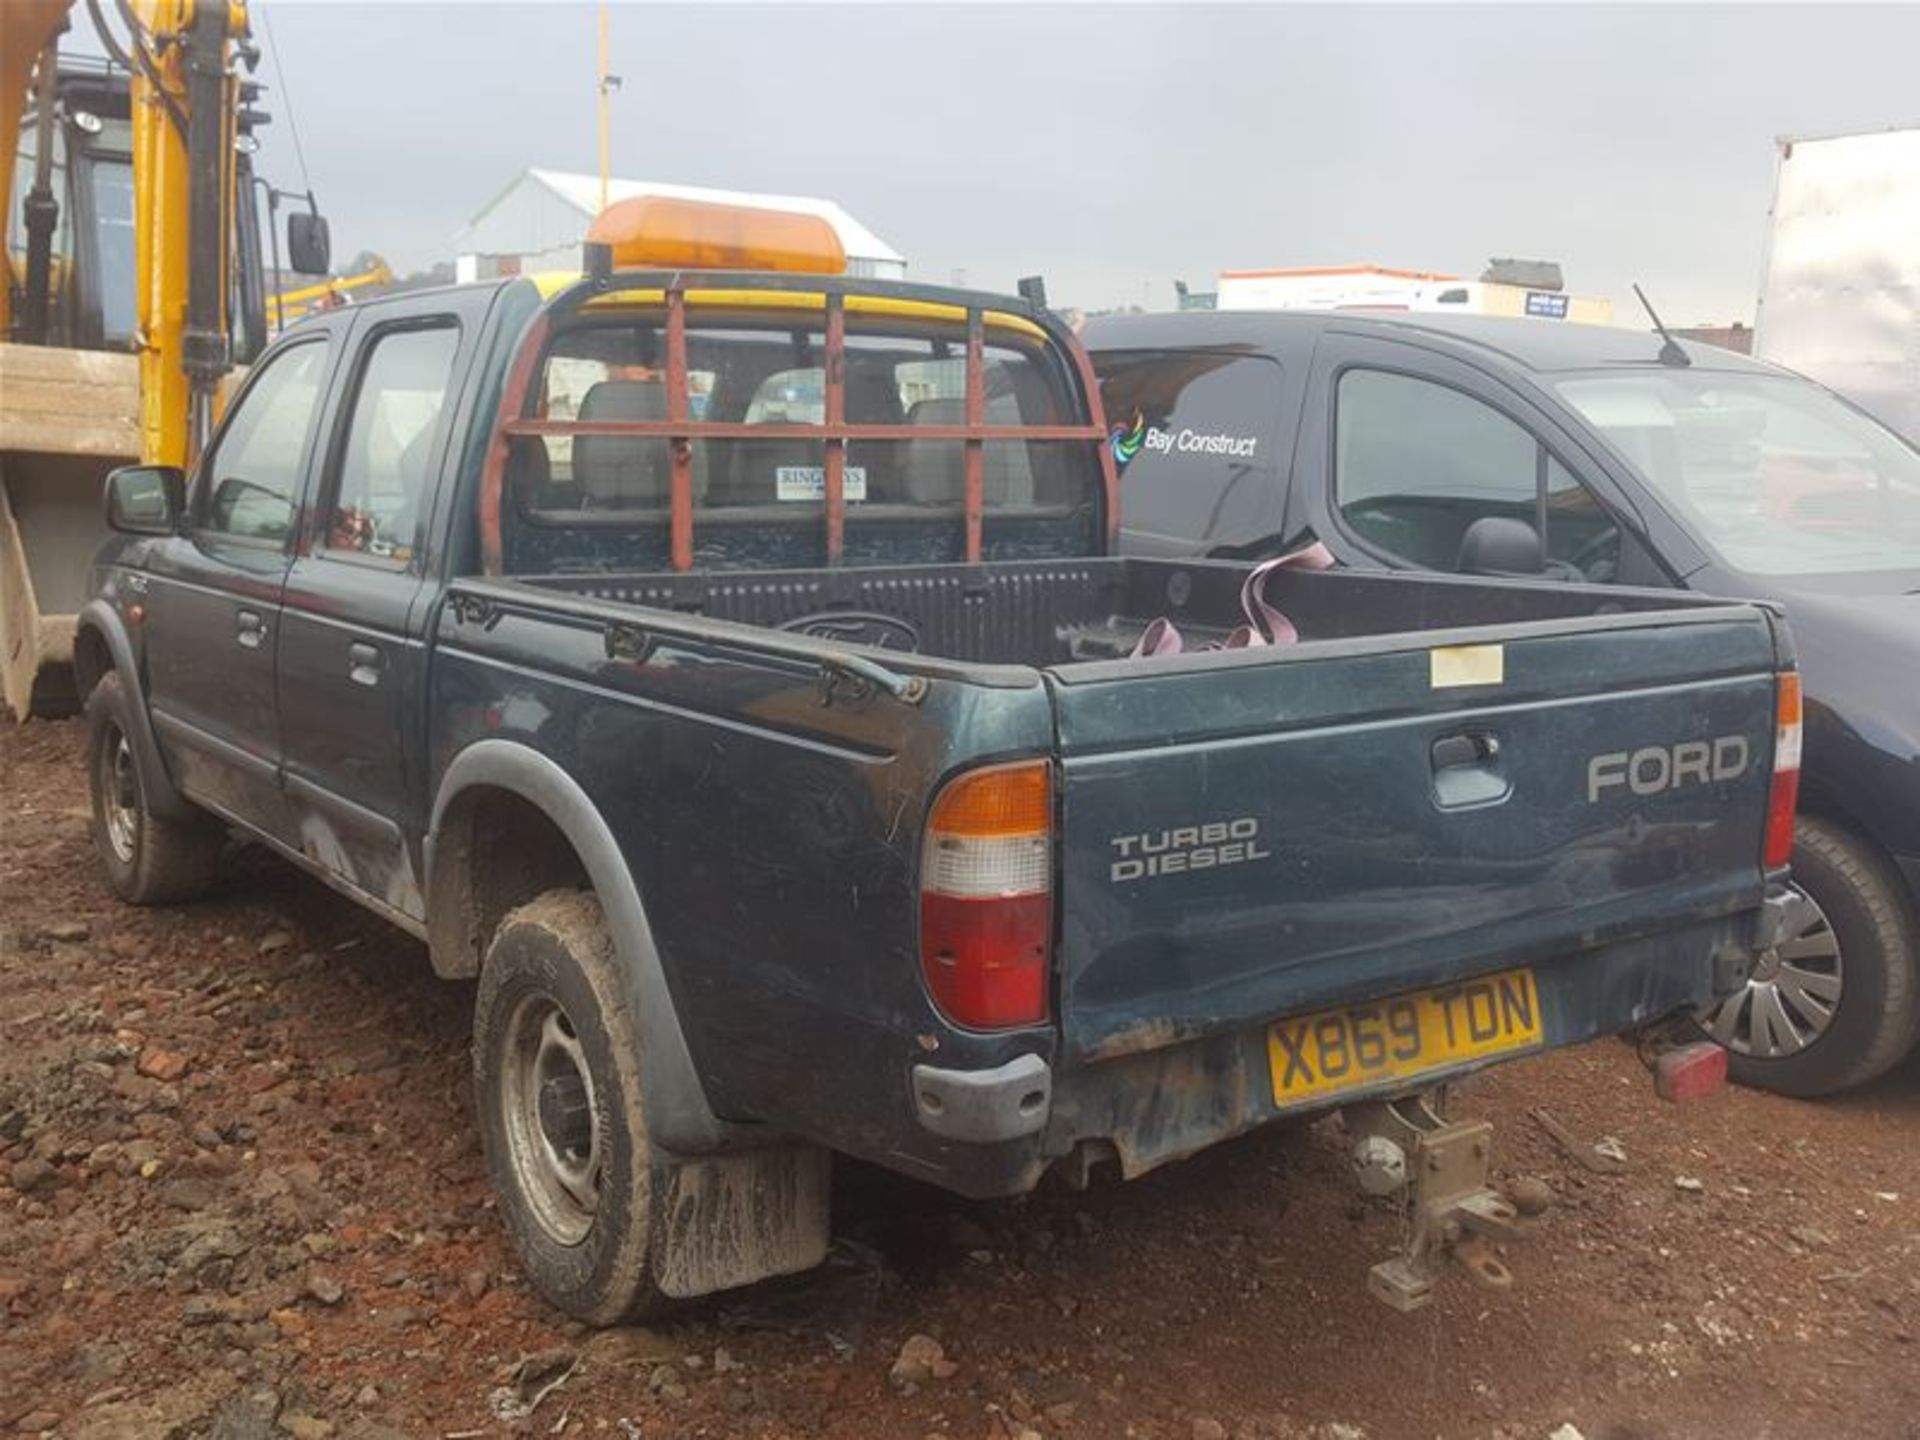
[134,283]
[290,305]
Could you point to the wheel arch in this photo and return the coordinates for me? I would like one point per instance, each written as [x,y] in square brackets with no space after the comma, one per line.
[1820,802]
[482,779]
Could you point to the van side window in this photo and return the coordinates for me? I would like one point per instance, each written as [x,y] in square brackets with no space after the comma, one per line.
[1191,434]
[383,483]
[1416,463]
[251,480]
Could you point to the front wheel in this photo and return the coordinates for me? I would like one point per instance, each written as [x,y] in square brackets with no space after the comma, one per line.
[149,859]
[1837,1002]
[557,1081]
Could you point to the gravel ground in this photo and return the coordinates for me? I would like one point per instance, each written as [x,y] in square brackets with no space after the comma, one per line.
[240,1195]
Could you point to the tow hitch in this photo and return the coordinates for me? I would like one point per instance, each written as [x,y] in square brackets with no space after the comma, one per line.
[1439,1167]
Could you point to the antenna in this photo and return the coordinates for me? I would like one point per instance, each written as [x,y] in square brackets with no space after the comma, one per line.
[1670,351]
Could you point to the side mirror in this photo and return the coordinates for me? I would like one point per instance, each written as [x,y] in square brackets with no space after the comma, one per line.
[309,245]
[1497,545]
[146,499]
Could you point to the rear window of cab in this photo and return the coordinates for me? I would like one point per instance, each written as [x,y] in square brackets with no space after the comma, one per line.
[755,371]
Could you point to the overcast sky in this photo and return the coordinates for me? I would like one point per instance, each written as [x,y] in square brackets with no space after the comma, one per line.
[1115,148]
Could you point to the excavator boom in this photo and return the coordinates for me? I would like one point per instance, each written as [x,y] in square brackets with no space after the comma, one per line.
[184,102]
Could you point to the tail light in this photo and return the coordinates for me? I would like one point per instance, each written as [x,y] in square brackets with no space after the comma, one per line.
[986,896]
[1786,772]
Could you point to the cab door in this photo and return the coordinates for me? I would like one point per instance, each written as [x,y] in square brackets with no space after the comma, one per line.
[351,672]
[214,591]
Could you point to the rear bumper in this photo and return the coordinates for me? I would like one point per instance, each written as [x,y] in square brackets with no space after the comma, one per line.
[1008,1102]
[1164,1104]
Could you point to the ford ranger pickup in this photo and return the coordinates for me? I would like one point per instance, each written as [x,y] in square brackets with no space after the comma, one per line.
[724,660]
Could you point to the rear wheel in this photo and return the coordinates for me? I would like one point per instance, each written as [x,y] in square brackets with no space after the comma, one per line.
[557,1080]
[149,859]
[1837,1002]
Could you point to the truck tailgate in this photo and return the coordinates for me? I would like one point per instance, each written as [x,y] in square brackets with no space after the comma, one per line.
[1250,834]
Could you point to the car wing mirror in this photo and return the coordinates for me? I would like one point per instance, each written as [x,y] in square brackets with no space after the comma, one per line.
[146,499]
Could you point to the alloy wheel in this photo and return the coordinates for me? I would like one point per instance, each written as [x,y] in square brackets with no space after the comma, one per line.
[1790,1000]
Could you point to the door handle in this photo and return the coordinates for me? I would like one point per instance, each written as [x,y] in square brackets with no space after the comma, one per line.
[1467,771]
[1468,749]
[249,628]
[364,663]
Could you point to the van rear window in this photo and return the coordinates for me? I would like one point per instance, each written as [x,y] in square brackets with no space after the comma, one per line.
[1191,432]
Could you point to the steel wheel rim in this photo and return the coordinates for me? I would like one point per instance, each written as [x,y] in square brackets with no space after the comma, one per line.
[120,797]
[1791,998]
[552,1121]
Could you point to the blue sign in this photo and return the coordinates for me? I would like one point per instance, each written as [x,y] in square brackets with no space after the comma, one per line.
[1546,305]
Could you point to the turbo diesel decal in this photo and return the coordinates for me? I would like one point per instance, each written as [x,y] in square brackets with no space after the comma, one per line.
[1189,847]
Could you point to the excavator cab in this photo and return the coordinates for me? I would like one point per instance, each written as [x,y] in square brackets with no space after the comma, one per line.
[84,295]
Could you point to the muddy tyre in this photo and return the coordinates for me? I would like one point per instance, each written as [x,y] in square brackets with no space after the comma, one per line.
[556,1060]
[1838,1001]
[149,859]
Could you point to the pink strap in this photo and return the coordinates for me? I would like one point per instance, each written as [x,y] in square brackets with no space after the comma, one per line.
[1266,621]
[1265,625]
[1159,638]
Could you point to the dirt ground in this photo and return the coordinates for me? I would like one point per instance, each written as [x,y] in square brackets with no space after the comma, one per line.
[240,1195]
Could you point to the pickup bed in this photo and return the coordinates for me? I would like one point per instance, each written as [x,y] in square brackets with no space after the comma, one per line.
[764,732]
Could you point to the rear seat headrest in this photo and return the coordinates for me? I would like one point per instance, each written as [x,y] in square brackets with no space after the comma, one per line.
[616,470]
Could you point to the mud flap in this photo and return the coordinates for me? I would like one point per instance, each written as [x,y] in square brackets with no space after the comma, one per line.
[731,1219]
[1441,1169]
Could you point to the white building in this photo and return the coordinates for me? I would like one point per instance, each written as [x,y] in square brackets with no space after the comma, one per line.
[1378,287]
[539,221]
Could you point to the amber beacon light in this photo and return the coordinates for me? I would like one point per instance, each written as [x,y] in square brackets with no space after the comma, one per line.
[660,232]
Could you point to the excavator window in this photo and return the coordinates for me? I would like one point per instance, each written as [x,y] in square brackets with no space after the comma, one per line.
[110,181]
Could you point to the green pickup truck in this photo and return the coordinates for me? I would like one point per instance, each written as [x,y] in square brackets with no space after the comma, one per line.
[729,668]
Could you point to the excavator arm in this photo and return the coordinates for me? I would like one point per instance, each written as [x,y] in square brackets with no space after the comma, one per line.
[184,103]
[291,305]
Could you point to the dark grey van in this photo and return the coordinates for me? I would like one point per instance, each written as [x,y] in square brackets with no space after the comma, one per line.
[1576,454]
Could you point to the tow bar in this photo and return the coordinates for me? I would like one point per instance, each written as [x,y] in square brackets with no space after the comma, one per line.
[1407,1147]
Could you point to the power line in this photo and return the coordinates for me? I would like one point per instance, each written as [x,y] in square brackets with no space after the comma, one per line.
[280,76]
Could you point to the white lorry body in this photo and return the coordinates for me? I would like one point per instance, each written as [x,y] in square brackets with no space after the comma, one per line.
[1840,293]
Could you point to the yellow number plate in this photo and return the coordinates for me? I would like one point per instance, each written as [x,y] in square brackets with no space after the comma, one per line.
[1315,1055]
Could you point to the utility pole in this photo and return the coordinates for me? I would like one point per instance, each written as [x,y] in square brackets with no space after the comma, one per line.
[608,84]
